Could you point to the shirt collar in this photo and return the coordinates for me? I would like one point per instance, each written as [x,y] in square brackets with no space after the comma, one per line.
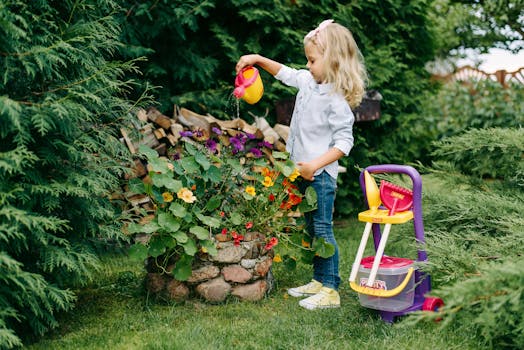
[322,88]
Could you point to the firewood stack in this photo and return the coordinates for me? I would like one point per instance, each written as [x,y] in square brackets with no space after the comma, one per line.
[160,132]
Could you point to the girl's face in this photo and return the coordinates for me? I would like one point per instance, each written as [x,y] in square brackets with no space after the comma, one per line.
[315,62]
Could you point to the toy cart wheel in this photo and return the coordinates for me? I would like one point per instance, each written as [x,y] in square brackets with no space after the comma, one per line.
[432,304]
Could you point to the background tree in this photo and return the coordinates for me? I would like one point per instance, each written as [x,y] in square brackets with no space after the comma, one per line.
[193,47]
[478,25]
[61,96]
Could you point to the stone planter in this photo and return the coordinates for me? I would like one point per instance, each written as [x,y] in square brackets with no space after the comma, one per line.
[241,271]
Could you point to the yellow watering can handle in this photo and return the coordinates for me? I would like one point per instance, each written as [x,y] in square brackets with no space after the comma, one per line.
[381,292]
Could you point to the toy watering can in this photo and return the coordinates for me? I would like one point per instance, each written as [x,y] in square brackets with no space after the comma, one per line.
[248,85]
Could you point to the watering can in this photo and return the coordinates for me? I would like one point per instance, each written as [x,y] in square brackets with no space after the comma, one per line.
[248,85]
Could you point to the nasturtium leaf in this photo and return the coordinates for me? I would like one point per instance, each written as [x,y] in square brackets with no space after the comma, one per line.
[323,248]
[178,210]
[136,185]
[138,252]
[214,174]
[289,262]
[156,247]
[180,236]
[209,246]
[199,232]
[236,219]
[190,247]
[190,165]
[182,270]
[150,227]
[202,160]
[209,220]
[147,151]
[168,222]
[167,181]
[213,203]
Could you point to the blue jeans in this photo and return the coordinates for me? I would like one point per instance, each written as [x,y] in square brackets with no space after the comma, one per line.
[319,224]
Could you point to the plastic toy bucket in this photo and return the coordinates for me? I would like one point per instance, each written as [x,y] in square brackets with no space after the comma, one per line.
[248,85]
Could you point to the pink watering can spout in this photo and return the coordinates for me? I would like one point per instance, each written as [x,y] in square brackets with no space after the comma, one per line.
[248,85]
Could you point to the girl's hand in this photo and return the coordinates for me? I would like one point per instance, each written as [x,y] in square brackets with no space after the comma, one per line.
[306,170]
[246,60]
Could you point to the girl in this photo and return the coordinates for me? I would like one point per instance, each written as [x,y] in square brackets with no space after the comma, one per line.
[321,132]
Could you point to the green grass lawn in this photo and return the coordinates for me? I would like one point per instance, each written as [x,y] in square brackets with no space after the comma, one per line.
[115,313]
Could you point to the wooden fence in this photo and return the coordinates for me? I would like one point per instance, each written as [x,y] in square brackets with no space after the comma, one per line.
[468,73]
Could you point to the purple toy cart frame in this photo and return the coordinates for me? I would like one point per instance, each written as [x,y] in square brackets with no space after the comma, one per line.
[422,280]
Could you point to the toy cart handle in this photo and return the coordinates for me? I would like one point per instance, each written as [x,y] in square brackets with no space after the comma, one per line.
[381,292]
[417,196]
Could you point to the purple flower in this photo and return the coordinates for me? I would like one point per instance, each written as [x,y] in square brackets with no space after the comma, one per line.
[216,130]
[211,145]
[186,133]
[199,133]
[265,144]
[250,136]
[176,156]
[256,152]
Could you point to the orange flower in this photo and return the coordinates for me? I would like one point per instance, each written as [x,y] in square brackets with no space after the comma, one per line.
[251,191]
[294,175]
[168,197]
[268,182]
[186,195]
[277,258]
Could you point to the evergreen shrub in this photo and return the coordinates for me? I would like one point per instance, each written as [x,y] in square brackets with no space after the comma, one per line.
[61,98]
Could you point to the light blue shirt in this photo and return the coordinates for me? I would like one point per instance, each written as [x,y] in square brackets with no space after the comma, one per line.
[321,119]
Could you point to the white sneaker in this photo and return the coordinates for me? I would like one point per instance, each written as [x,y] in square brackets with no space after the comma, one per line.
[306,290]
[325,299]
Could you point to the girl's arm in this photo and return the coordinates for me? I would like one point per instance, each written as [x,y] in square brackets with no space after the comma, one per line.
[270,66]
[307,169]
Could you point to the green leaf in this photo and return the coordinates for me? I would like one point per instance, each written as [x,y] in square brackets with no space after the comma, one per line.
[182,270]
[180,236]
[190,247]
[178,210]
[168,222]
[148,152]
[156,247]
[209,220]
[213,203]
[214,174]
[136,185]
[236,218]
[150,227]
[323,248]
[209,247]
[166,180]
[289,262]
[190,165]
[138,252]
[159,165]
[199,232]
[280,155]
[203,161]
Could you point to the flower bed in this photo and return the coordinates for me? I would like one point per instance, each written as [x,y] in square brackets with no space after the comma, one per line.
[222,203]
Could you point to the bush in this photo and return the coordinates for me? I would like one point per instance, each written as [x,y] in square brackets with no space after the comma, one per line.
[60,157]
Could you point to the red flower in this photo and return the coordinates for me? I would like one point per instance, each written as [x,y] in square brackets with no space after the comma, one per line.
[271,197]
[222,214]
[249,225]
[272,242]
[236,238]
[224,231]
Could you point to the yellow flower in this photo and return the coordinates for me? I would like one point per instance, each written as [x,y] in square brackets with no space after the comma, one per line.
[268,182]
[168,197]
[251,191]
[294,175]
[277,258]
[186,195]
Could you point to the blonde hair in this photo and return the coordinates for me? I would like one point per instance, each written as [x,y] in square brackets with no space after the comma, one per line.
[344,63]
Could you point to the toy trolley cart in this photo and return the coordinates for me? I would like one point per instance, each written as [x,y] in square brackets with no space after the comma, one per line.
[391,285]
